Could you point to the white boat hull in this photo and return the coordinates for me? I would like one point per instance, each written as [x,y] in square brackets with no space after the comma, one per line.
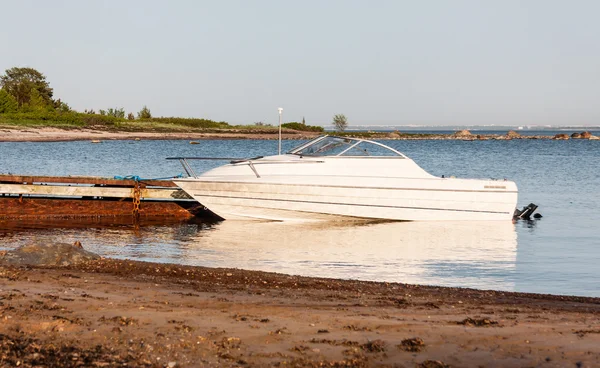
[401,199]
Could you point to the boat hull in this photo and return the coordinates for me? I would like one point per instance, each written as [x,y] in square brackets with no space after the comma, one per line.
[405,200]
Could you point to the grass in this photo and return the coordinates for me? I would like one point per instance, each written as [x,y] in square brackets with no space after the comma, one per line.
[75,120]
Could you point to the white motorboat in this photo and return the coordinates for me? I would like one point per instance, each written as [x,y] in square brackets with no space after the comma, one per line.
[339,176]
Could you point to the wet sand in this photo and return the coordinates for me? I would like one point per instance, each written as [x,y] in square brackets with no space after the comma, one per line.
[128,313]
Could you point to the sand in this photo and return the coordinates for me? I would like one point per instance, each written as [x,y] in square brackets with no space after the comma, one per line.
[57,135]
[127,313]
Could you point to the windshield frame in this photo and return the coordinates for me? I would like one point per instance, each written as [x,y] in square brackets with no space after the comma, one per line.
[355,142]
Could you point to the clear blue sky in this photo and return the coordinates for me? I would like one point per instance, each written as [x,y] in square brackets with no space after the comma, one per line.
[513,62]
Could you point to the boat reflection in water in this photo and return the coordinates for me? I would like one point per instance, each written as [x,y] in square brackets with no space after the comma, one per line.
[467,254]
[474,254]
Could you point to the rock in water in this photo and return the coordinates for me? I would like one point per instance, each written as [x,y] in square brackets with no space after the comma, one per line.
[561,137]
[586,135]
[576,135]
[512,134]
[463,133]
[60,254]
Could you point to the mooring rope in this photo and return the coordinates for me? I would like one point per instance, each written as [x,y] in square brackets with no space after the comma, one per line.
[137,178]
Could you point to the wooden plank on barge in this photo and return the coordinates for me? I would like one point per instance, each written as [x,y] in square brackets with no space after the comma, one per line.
[4,178]
[90,191]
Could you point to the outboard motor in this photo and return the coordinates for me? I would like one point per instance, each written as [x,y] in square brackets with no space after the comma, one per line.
[526,212]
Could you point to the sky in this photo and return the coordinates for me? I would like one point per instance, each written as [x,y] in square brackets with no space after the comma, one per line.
[426,62]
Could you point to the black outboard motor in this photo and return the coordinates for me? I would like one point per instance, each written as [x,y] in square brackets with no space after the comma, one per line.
[526,212]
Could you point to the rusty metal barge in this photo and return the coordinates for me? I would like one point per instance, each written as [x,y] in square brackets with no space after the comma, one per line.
[78,197]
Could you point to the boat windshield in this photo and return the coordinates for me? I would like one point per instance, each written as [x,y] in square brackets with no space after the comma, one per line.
[341,146]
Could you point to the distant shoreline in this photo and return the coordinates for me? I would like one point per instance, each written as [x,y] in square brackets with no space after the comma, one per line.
[49,134]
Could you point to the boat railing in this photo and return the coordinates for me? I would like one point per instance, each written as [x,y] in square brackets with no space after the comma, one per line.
[237,161]
[190,171]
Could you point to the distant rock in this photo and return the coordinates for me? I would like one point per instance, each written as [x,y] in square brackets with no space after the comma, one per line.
[586,135]
[561,136]
[394,134]
[512,134]
[463,134]
[482,137]
[594,138]
[576,135]
[60,254]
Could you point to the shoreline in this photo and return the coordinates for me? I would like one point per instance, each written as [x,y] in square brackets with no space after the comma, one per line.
[47,134]
[63,135]
[109,312]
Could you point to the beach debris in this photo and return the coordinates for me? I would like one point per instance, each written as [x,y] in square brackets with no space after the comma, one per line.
[481,322]
[230,343]
[582,333]
[432,364]
[122,321]
[375,346]
[27,352]
[343,342]
[59,254]
[415,345]
[356,328]
[194,142]
[280,331]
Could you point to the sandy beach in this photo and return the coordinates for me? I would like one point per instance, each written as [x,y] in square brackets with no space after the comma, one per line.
[58,135]
[126,313]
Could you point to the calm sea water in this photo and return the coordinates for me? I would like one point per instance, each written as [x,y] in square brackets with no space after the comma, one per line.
[558,254]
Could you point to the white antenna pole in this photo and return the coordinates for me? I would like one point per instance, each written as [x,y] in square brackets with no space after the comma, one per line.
[280,111]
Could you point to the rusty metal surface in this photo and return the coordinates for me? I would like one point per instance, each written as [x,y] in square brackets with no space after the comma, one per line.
[83,180]
[34,208]
[120,222]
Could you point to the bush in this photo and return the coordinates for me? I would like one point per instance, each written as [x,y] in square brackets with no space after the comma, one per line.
[7,102]
[45,117]
[302,127]
[116,112]
[191,122]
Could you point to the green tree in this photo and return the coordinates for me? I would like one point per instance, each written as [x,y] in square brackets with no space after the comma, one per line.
[7,102]
[20,82]
[61,106]
[303,121]
[117,113]
[144,113]
[340,122]
[36,103]
[130,116]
